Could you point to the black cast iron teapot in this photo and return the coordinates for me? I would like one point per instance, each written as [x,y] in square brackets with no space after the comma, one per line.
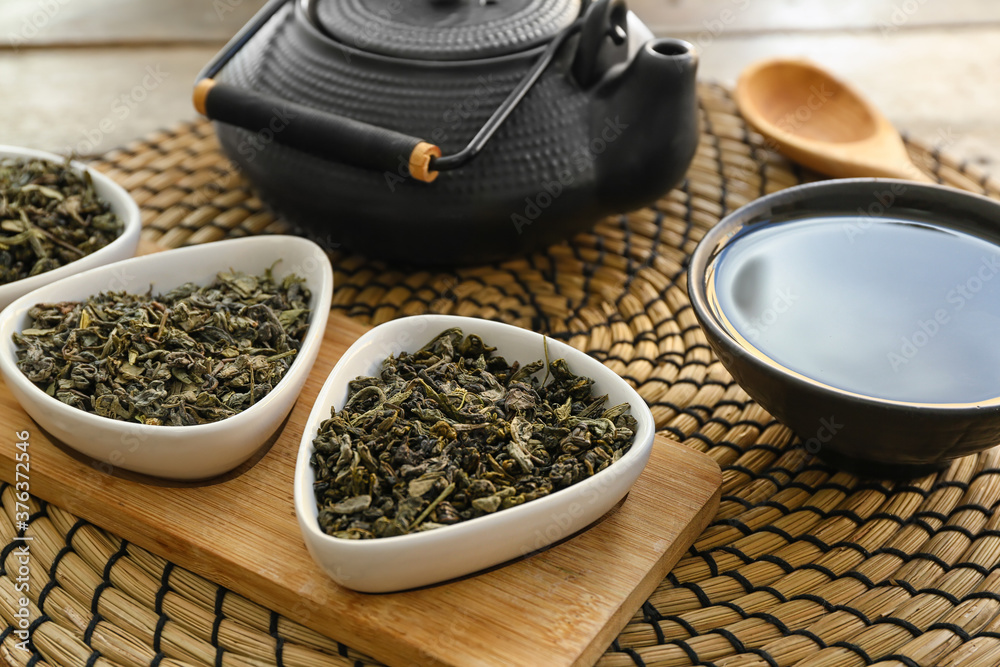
[452,131]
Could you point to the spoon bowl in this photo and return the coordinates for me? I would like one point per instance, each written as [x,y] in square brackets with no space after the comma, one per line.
[821,122]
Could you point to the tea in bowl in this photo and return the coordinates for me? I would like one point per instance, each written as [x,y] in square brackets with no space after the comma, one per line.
[180,364]
[430,455]
[59,218]
[863,314]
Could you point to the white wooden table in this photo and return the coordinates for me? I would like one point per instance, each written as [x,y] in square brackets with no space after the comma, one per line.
[87,75]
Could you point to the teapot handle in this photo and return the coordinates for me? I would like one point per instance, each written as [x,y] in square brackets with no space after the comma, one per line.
[603,20]
[332,136]
[315,132]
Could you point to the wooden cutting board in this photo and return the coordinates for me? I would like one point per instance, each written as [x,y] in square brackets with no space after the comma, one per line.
[562,606]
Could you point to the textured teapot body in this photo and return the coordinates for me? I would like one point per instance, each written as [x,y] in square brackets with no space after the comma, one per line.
[566,157]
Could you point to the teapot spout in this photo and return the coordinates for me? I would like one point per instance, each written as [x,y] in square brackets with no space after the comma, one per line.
[654,104]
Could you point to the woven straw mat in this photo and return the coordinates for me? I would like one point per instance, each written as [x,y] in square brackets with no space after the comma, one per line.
[803,565]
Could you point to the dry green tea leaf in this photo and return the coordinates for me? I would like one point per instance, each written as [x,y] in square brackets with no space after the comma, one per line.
[453,432]
[50,215]
[191,356]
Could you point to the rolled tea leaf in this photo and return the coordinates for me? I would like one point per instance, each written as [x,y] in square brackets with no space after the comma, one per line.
[453,432]
[50,215]
[195,355]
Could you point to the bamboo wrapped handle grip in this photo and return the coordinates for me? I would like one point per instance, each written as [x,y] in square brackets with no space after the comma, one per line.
[321,134]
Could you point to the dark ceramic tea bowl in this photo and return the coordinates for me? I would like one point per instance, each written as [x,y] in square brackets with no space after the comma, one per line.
[879,354]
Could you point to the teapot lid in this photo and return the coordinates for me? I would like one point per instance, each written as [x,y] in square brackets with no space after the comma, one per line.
[444,29]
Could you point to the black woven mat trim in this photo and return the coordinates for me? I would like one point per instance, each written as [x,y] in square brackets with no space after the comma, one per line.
[279,651]
[965,532]
[164,588]
[902,623]
[854,574]
[157,659]
[899,657]
[987,512]
[691,653]
[853,546]
[713,567]
[754,475]
[733,640]
[813,637]
[856,613]
[856,650]
[939,593]
[636,658]
[949,484]
[957,630]
[969,565]
[773,591]
[928,528]
[675,432]
[827,607]
[161,622]
[43,512]
[698,593]
[740,579]
[931,558]
[982,595]
[991,532]
[763,655]
[67,547]
[830,574]
[892,551]
[773,620]
[734,551]
[279,641]
[38,622]
[122,550]
[687,627]
[5,553]
[983,473]
[930,514]
[43,596]
[735,523]
[92,660]
[731,606]
[220,597]
[96,599]
[651,616]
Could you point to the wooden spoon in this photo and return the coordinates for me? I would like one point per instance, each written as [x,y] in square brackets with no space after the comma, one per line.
[821,122]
